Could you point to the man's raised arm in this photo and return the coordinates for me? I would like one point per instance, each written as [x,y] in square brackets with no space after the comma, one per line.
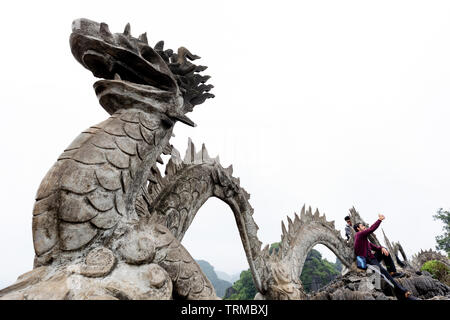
[374,226]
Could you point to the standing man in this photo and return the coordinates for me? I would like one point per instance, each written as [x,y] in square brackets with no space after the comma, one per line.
[364,248]
[348,227]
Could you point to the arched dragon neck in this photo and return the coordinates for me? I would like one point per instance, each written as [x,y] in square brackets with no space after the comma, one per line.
[188,184]
[304,233]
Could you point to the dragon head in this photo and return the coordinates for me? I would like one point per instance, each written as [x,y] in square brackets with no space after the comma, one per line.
[135,75]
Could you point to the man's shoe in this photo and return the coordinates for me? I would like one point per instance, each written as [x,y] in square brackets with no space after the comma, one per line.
[397,274]
[409,296]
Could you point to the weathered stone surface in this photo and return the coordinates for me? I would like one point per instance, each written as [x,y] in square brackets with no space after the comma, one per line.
[109,177]
[133,131]
[90,155]
[157,276]
[45,233]
[115,127]
[49,185]
[353,286]
[77,178]
[99,262]
[23,281]
[137,248]
[74,207]
[104,140]
[95,281]
[76,235]
[55,288]
[106,220]
[360,286]
[126,145]
[425,287]
[118,159]
[101,200]
[79,141]
[45,204]
[131,117]
[366,285]
[120,203]
[147,135]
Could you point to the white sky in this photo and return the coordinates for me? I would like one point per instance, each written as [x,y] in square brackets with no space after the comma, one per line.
[328,103]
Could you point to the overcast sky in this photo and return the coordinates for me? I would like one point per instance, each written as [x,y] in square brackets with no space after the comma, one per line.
[332,104]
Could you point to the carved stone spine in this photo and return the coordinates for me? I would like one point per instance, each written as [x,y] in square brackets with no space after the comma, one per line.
[188,184]
[180,201]
[303,234]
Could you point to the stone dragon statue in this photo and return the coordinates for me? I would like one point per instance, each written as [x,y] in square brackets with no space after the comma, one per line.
[87,212]
[104,211]
[107,224]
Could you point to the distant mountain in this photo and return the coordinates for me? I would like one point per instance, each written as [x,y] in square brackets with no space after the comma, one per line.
[227,277]
[220,285]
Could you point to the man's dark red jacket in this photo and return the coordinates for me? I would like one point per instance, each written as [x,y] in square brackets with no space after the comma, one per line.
[362,246]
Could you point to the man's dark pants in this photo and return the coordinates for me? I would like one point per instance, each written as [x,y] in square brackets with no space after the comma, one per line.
[390,268]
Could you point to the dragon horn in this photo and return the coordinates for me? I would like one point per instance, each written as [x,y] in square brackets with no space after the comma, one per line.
[127,30]
[104,30]
[159,46]
[143,37]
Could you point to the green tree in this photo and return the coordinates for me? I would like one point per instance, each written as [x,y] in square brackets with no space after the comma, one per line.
[443,241]
[317,272]
[274,246]
[244,287]
[438,270]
